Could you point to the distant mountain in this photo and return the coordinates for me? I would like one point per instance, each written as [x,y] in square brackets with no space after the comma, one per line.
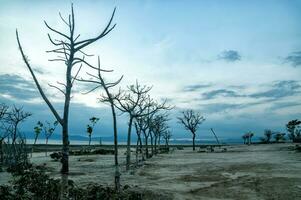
[30,135]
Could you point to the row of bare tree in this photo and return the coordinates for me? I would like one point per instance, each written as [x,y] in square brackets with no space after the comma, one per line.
[135,101]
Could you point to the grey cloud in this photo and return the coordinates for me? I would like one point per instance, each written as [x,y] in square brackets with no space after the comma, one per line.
[280,105]
[218,107]
[294,59]
[221,92]
[230,55]
[195,87]
[17,87]
[280,89]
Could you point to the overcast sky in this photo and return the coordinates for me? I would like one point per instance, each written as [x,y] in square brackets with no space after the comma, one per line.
[237,62]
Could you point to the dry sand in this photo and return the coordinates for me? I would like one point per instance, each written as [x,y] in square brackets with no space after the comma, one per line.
[243,172]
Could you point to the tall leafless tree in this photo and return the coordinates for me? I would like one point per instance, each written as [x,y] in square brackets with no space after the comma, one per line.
[70,52]
[191,121]
[3,113]
[3,130]
[107,97]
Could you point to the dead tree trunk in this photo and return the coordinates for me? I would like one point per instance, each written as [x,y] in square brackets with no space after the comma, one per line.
[117,173]
[152,143]
[146,144]
[1,154]
[193,141]
[156,150]
[46,147]
[128,147]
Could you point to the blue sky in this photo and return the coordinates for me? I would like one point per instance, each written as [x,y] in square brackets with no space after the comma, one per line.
[237,62]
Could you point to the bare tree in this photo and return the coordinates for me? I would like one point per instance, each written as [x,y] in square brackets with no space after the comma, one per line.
[14,118]
[3,114]
[17,152]
[108,97]
[3,131]
[70,52]
[191,121]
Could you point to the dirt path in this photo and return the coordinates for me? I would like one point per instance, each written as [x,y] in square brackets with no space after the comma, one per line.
[243,172]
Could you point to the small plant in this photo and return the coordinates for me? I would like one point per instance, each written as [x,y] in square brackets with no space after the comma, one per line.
[37,131]
[48,130]
[293,128]
[93,121]
[279,137]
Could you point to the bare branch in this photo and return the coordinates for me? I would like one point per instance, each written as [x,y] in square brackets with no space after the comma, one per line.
[52,29]
[80,67]
[91,66]
[61,83]
[104,33]
[63,19]
[37,83]
[57,88]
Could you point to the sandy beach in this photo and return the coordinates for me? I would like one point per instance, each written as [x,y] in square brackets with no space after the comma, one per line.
[266,171]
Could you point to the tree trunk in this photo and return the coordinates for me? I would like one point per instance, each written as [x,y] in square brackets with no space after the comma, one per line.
[152,143]
[65,135]
[146,145]
[128,150]
[137,147]
[1,154]
[193,141]
[89,139]
[46,146]
[34,143]
[65,151]
[117,173]
[159,138]
[141,148]
[64,187]
[156,139]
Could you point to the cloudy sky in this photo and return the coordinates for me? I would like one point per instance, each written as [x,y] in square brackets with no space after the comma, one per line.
[237,62]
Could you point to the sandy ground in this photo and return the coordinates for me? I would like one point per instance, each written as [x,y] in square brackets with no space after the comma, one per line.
[243,172]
